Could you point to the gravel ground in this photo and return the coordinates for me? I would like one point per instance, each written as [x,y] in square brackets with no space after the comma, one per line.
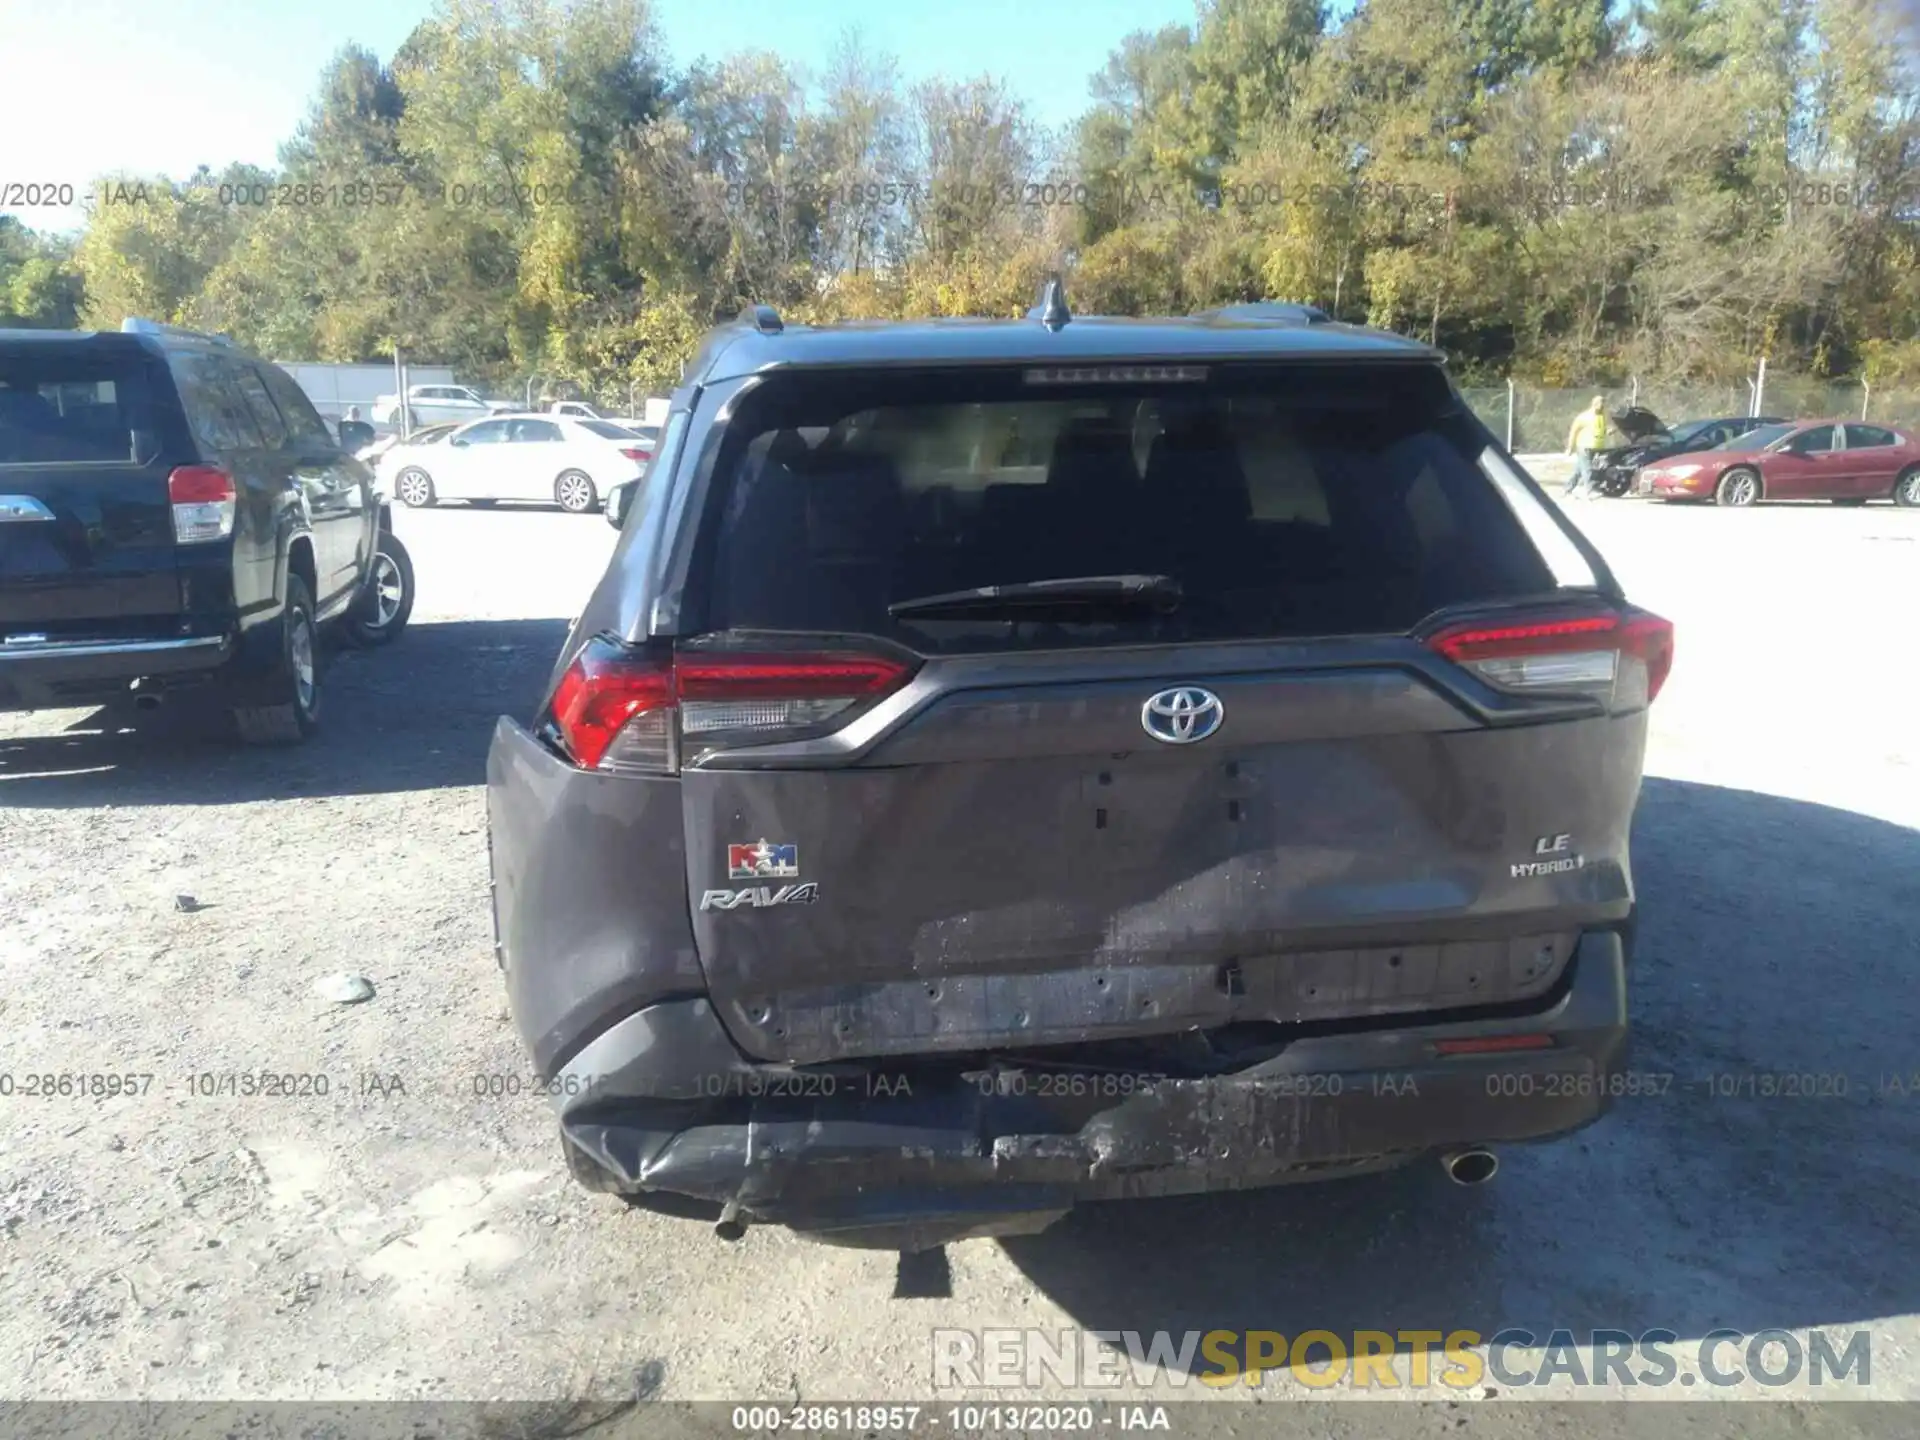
[402,1237]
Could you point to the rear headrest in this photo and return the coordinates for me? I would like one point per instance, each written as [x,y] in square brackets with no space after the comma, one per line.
[1090,457]
[855,511]
[1198,468]
[27,408]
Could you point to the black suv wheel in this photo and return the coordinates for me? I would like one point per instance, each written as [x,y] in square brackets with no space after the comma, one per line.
[292,710]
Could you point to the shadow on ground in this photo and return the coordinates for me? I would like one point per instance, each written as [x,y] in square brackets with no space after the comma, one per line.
[1776,941]
[414,716]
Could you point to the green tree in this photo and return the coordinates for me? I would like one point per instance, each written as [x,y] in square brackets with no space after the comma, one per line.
[39,286]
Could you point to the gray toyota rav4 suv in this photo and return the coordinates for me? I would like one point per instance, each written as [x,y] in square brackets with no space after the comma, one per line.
[1009,763]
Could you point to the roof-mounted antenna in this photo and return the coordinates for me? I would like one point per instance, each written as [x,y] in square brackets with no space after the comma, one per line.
[1052,310]
[763,318]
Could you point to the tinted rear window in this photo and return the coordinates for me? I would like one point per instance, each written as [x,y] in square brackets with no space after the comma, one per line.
[1284,503]
[216,409]
[607,430]
[74,408]
[1756,439]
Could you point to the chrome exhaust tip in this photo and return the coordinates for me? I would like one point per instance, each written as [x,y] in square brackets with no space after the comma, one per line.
[730,1226]
[1470,1167]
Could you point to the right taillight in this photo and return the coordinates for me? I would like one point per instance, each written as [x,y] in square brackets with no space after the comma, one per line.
[1621,656]
[625,713]
[203,499]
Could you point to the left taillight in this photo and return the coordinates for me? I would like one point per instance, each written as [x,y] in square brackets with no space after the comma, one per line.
[1620,656]
[624,713]
[203,498]
[636,454]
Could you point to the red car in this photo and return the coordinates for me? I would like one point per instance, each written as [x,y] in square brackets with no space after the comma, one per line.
[1839,460]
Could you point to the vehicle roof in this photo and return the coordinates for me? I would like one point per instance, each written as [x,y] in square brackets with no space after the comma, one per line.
[1811,424]
[1236,333]
[125,340]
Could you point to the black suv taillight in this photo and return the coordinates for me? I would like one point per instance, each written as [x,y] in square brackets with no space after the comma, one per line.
[203,499]
[1623,657]
[625,713]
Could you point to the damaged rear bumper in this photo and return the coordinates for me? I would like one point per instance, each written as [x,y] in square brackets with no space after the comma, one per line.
[664,1101]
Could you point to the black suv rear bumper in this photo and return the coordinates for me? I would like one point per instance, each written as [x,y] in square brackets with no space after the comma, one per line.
[44,675]
[665,1102]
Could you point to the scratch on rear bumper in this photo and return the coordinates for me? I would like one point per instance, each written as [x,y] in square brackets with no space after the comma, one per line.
[666,1102]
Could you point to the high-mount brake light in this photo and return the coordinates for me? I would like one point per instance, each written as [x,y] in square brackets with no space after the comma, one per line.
[203,498]
[626,714]
[1115,374]
[1622,656]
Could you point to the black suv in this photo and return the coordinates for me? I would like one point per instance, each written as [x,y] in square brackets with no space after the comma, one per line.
[1007,763]
[174,516]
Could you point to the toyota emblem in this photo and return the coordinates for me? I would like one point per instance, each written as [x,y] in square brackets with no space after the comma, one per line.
[1182,715]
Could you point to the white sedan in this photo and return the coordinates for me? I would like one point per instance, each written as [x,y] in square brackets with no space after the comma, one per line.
[565,462]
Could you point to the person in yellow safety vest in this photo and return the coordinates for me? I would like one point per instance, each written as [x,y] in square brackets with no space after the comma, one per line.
[1588,434]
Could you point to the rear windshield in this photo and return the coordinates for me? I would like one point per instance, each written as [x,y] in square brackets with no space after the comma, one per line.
[1756,439]
[1280,504]
[607,430]
[74,409]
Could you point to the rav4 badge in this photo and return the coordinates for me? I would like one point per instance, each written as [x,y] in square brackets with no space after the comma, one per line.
[755,897]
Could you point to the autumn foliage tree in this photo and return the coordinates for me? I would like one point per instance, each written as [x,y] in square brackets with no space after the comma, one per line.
[1551,188]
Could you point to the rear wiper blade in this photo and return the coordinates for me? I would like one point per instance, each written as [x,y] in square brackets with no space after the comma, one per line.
[1160,593]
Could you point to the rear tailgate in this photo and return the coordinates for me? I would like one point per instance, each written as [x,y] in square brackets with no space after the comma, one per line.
[999,823]
[1019,864]
[86,525]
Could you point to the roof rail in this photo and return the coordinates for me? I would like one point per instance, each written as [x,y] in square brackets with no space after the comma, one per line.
[763,318]
[1051,308]
[1272,310]
[135,325]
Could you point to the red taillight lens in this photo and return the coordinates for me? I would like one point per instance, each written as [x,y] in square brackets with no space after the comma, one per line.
[1467,643]
[199,484]
[636,454]
[1567,652]
[1492,1044]
[1650,638]
[203,499]
[620,713]
[602,692]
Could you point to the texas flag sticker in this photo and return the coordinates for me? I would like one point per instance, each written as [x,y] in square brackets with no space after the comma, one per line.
[763,861]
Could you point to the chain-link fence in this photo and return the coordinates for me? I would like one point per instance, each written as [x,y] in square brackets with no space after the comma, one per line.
[1535,419]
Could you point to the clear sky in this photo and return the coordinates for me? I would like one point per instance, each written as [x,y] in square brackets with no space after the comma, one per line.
[88,86]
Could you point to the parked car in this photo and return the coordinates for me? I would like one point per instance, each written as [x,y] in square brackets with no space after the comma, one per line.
[1844,461]
[1047,759]
[1625,428]
[1617,471]
[338,390]
[647,435]
[176,519]
[567,462]
[436,404]
[389,452]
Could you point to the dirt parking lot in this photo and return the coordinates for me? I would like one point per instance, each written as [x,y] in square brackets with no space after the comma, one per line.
[406,1235]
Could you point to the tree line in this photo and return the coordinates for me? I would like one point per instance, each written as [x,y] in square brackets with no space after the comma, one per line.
[1551,189]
